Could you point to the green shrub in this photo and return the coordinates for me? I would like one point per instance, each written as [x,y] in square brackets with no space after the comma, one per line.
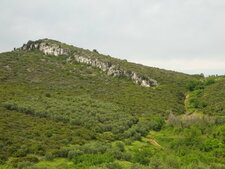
[120,146]
[74,153]
[93,159]
[25,164]
[95,147]
[142,156]
[211,144]
[114,166]
[156,163]
[49,156]
[31,158]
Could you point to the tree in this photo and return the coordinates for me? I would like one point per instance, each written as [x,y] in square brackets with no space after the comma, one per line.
[95,50]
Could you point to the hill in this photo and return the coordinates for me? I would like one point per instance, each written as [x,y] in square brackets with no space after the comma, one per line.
[29,65]
[66,107]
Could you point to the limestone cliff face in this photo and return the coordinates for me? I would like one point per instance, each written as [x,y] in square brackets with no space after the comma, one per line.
[111,69]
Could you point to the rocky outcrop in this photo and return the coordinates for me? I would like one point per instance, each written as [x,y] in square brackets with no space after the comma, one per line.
[46,48]
[111,69]
[114,70]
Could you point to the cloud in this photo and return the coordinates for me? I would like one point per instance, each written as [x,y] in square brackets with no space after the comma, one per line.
[167,33]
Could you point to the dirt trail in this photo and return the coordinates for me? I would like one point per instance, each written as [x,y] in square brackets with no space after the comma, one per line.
[154,142]
[186,102]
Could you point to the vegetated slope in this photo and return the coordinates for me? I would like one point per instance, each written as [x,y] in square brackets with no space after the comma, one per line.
[214,98]
[54,74]
[92,114]
[22,135]
[207,95]
[53,89]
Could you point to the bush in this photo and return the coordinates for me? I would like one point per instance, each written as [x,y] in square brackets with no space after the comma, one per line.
[48,95]
[191,159]
[197,84]
[156,163]
[95,147]
[114,166]
[93,159]
[142,156]
[24,164]
[120,146]
[32,158]
[172,162]
[211,144]
[49,156]
[194,85]
[74,153]
[126,156]
[209,81]
[220,120]
[94,50]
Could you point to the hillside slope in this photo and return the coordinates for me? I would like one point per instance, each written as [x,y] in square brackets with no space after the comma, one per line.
[56,73]
[65,107]
[209,99]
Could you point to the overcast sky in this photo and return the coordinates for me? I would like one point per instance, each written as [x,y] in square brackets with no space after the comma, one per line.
[181,35]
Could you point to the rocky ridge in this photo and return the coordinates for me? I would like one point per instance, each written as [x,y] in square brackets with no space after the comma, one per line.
[112,69]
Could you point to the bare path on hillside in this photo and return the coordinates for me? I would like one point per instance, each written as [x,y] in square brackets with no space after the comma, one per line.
[186,102]
[154,142]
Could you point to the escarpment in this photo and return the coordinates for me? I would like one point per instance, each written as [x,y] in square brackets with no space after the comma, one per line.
[49,48]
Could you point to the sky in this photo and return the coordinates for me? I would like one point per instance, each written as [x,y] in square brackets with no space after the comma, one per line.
[181,35]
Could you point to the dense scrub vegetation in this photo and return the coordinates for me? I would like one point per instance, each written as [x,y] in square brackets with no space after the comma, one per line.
[214,98]
[22,135]
[95,115]
[83,111]
[207,95]
[53,75]
[59,114]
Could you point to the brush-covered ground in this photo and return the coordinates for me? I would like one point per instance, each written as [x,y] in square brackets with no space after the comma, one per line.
[59,114]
